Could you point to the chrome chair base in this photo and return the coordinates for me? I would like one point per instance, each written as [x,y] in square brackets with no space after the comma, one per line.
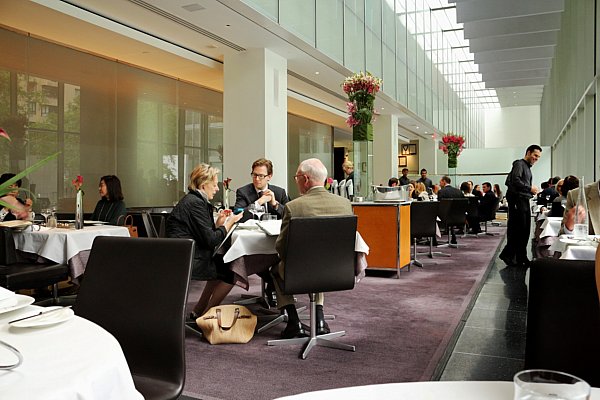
[314,340]
[274,318]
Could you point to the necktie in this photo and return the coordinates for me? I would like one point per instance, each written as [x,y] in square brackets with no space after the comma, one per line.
[260,194]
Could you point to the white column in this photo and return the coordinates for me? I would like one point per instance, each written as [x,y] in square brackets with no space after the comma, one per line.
[385,149]
[428,157]
[254,114]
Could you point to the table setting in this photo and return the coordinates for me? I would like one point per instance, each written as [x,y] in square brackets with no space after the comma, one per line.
[50,353]
[572,248]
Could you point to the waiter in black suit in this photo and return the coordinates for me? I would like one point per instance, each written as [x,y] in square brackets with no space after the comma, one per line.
[260,192]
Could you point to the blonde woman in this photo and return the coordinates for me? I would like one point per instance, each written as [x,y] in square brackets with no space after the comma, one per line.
[192,218]
[421,192]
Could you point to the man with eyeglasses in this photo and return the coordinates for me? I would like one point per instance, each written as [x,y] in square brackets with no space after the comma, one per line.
[260,192]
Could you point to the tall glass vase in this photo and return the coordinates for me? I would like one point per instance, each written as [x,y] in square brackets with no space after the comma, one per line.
[226,198]
[363,168]
[452,166]
[79,210]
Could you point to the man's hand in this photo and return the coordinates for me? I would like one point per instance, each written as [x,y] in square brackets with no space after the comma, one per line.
[268,197]
[534,189]
[570,219]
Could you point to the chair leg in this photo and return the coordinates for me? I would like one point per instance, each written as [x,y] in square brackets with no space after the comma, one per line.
[275,318]
[314,340]
[251,299]
[414,260]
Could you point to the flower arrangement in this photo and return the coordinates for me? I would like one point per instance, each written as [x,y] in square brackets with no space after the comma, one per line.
[226,183]
[328,183]
[452,145]
[77,182]
[361,89]
[226,191]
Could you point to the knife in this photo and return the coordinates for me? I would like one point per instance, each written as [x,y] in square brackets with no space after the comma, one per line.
[38,314]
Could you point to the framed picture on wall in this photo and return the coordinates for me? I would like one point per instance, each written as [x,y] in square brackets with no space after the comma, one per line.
[405,149]
[402,162]
[412,149]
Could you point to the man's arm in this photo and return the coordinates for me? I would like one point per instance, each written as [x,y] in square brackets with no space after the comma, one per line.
[281,243]
[517,179]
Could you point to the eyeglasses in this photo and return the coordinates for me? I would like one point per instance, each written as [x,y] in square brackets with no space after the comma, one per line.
[298,176]
[258,176]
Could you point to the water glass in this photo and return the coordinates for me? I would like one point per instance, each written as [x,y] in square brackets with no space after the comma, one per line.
[543,384]
[269,217]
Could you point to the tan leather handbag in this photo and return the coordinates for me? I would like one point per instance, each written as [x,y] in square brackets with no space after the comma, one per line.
[228,323]
[128,223]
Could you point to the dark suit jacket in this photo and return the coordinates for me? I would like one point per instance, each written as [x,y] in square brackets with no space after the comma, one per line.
[247,195]
[449,192]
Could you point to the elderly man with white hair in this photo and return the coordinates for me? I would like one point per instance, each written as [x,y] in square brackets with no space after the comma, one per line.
[314,201]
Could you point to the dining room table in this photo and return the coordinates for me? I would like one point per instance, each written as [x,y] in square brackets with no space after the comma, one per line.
[447,390]
[63,245]
[252,250]
[64,357]
[571,248]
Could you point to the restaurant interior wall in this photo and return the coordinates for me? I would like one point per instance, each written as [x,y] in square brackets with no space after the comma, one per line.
[512,126]
[569,109]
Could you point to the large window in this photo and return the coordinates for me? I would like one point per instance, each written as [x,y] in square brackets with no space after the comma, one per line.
[104,118]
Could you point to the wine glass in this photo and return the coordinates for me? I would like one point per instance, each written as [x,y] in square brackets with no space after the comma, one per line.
[259,211]
[547,384]
[252,208]
[46,212]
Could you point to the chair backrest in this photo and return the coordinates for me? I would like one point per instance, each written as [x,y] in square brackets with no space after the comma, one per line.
[491,213]
[149,225]
[136,289]
[452,211]
[473,206]
[320,254]
[160,223]
[8,251]
[423,216]
[563,318]
[342,188]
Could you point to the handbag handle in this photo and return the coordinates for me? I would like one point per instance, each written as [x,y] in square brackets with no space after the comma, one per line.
[235,317]
[128,217]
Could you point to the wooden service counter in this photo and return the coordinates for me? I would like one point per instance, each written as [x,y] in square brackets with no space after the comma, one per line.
[386,229]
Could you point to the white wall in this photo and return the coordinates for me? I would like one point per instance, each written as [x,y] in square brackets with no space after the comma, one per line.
[512,126]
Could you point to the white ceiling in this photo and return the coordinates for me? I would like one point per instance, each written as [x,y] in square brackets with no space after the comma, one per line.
[513,44]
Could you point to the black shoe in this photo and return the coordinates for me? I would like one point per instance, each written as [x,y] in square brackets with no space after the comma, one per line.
[507,260]
[322,327]
[453,241]
[192,318]
[293,330]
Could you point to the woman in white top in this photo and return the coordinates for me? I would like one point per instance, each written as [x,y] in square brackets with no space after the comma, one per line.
[421,191]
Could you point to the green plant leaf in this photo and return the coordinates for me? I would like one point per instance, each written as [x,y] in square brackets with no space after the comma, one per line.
[5,187]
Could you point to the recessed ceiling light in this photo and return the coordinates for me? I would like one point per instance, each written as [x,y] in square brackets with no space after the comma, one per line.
[212,46]
[383,108]
[416,127]
[228,25]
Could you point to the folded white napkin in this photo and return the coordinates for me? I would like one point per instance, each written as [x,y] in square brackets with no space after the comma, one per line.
[7,298]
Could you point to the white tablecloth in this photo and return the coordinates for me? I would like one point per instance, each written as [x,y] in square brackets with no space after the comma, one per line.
[74,360]
[551,226]
[61,245]
[421,391]
[577,251]
[245,242]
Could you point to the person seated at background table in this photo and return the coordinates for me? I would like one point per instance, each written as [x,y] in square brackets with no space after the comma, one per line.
[393,182]
[548,194]
[497,191]
[111,207]
[592,195]
[449,192]
[192,218]
[260,191]
[421,192]
[411,190]
[404,178]
[314,201]
[20,208]
[485,209]
[477,191]
[563,187]
[465,188]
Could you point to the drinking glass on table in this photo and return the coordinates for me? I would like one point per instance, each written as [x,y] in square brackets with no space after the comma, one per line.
[543,384]
[46,212]
[259,211]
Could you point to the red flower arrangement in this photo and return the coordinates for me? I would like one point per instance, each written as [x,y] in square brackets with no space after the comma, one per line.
[226,183]
[452,145]
[77,182]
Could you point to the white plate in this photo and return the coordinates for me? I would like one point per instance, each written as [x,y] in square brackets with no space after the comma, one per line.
[55,317]
[88,222]
[579,242]
[22,301]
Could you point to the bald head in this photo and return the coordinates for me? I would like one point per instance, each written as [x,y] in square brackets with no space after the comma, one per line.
[314,170]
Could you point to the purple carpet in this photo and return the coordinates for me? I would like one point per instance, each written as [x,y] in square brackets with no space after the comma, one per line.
[400,327]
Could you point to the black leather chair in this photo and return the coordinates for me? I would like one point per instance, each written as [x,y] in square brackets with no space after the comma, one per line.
[563,318]
[472,214]
[489,217]
[452,213]
[151,230]
[19,275]
[136,289]
[327,267]
[423,224]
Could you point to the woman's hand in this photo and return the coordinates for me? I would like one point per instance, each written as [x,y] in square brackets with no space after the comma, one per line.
[226,218]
